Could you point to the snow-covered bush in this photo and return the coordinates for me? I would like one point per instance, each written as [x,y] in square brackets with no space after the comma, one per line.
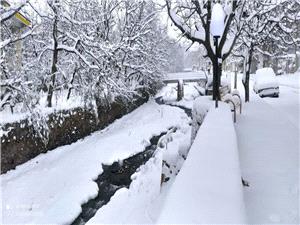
[92,51]
[174,146]
[200,108]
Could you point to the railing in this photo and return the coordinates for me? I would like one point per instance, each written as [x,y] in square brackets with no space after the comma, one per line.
[234,99]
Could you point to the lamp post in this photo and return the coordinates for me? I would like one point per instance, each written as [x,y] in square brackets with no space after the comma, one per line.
[235,76]
[217,28]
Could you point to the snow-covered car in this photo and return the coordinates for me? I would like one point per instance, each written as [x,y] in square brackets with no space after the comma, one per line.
[265,84]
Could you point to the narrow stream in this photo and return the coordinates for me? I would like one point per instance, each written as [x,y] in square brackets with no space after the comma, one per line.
[114,177]
[118,174]
[160,101]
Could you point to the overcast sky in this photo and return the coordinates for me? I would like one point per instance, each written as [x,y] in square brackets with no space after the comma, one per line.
[172,30]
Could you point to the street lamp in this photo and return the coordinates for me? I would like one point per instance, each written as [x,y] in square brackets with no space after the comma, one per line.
[217,29]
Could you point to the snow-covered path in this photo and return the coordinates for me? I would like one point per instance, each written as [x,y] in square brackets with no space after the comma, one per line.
[269,151]
[288,103]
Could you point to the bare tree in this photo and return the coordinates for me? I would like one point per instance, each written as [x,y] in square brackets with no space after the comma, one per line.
[270,28]
[193,19]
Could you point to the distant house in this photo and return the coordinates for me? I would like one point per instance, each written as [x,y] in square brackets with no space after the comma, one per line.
[17,24]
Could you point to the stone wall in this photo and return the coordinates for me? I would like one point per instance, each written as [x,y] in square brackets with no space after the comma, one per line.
[21,143]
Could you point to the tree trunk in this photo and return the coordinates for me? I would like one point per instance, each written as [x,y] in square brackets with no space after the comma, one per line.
[71,84]
[247,78]
[297,60]
[54,62]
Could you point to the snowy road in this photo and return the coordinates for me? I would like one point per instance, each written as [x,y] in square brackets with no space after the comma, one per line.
[288,103]
[268,138]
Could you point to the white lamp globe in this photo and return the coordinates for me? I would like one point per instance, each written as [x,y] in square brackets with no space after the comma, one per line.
[217,20]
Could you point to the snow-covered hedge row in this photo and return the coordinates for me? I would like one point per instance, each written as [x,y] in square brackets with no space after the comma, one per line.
[208,189]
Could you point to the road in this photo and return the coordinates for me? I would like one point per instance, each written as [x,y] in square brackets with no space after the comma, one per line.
[287,103]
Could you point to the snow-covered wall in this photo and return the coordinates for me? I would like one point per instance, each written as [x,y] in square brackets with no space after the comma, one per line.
[208,189]
[20,141]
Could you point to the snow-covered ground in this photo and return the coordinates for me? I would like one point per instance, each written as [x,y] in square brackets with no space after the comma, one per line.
[268,137]
[290,80]
[134,205]
[288,102]
[51,187]
[194,195]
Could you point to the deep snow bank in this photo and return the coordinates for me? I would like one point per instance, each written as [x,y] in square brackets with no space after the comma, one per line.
[208,188]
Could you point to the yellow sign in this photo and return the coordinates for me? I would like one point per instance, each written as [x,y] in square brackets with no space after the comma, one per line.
[18,15]
[22,19]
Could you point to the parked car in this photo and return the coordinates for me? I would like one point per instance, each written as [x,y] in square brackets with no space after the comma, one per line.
[265,84]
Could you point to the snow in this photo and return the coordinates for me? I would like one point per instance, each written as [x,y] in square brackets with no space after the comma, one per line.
[186,75]
[270,162]
[233,100]
[268,140]
[217,20]
[228,7]
[176,147]
[191,91]
[208,188]
[235,92]
[289,99]
[60,102]
[289,80]
[199,34]
[267,72]
[51,187]
[288,103]
[201,106]
[168,92]
[132,205]
[141,203]
[179,21]
[265,78]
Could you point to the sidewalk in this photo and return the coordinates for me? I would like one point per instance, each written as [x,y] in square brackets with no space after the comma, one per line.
[269,152]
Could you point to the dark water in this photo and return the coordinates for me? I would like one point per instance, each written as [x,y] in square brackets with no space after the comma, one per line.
[114,177]
[117,175]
